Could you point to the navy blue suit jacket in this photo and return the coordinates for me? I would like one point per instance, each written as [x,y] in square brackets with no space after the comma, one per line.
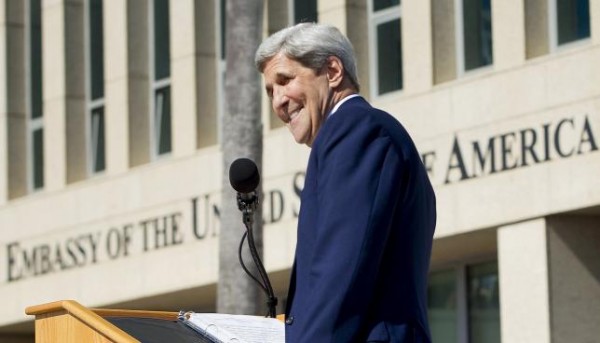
[365,231]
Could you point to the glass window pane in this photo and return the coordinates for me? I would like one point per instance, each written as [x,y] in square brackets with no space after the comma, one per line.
[483,303]
[37,154]
[573,20]
[389,56]
[383,4]
[163,120]
[96,50]
[162,68]
[35,51]
[305,11]
[442,310]
[97,140]
[477,24]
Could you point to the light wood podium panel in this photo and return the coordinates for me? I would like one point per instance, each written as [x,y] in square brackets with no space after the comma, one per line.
[67,321]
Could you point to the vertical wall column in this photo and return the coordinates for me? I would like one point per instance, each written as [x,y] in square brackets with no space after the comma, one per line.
[416,34]
[3,132]
[126,84]
[550,280]
[206,72]
[13,119]
[358,33]
[574,277]
[443,40]
[333,12]
[537,37]
[63,93]
[138,82]
[193,75]
[277,17]
[508,33]
[53,90]
[74,98]
[3,104]
[13,113]
[183,77]
[595,18]
[524,291]
[116,85]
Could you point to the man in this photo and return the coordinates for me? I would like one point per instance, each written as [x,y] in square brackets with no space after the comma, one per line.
[368,209]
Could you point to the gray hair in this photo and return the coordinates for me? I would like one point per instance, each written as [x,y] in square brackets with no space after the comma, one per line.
[310,44]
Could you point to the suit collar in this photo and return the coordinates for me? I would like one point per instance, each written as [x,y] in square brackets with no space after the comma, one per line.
[341,102]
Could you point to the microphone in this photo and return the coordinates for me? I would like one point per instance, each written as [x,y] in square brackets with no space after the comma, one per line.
[243,175]
[244,178]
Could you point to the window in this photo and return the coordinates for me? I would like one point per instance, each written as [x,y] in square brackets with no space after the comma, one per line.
[443,316]
[37,156]
[463,304]
[483,300]
[386,45]
[34,95]
[160,71]
[305,11]
[572,20]
[96,140]
[476,35]
[95,86]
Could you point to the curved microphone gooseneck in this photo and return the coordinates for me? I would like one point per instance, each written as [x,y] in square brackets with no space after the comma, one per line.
[244,178]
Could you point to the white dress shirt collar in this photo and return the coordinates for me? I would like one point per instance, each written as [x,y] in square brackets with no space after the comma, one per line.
[335,108]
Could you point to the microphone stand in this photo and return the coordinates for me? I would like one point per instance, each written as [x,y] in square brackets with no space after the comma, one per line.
[247,204]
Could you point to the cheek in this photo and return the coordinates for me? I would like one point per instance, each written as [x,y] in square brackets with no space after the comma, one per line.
[300,88]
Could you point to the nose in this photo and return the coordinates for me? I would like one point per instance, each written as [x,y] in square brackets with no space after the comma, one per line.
[280,100]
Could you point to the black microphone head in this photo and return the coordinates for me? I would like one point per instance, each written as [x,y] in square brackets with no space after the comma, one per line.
[243,175]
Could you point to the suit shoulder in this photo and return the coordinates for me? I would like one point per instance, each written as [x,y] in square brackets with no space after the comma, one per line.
[359,121]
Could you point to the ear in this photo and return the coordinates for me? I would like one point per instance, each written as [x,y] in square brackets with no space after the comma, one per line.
[335,71]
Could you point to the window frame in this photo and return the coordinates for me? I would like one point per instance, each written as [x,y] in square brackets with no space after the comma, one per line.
[156,86]
[375,19]
[33,124]
[93,139]
[553,27]
[92,105]
[459,38]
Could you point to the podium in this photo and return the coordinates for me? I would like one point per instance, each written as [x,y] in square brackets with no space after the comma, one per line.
[67,321]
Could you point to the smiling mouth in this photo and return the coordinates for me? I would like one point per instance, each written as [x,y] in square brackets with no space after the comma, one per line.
[293,115]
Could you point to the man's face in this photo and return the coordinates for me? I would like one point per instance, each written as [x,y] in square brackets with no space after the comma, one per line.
[299,96]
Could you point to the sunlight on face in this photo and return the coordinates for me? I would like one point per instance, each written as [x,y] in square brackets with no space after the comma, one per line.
[299,96]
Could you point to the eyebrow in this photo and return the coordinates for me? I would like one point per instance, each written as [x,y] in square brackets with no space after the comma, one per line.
[282,74]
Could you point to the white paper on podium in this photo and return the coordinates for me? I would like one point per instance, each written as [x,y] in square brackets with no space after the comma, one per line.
[228,328]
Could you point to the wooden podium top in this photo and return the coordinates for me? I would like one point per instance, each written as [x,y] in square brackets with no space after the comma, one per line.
[68,321]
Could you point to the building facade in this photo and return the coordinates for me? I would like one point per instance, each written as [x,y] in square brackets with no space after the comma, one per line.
[110,166]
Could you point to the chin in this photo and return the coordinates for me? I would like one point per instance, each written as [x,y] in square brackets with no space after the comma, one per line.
[299,140]
[303,141]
